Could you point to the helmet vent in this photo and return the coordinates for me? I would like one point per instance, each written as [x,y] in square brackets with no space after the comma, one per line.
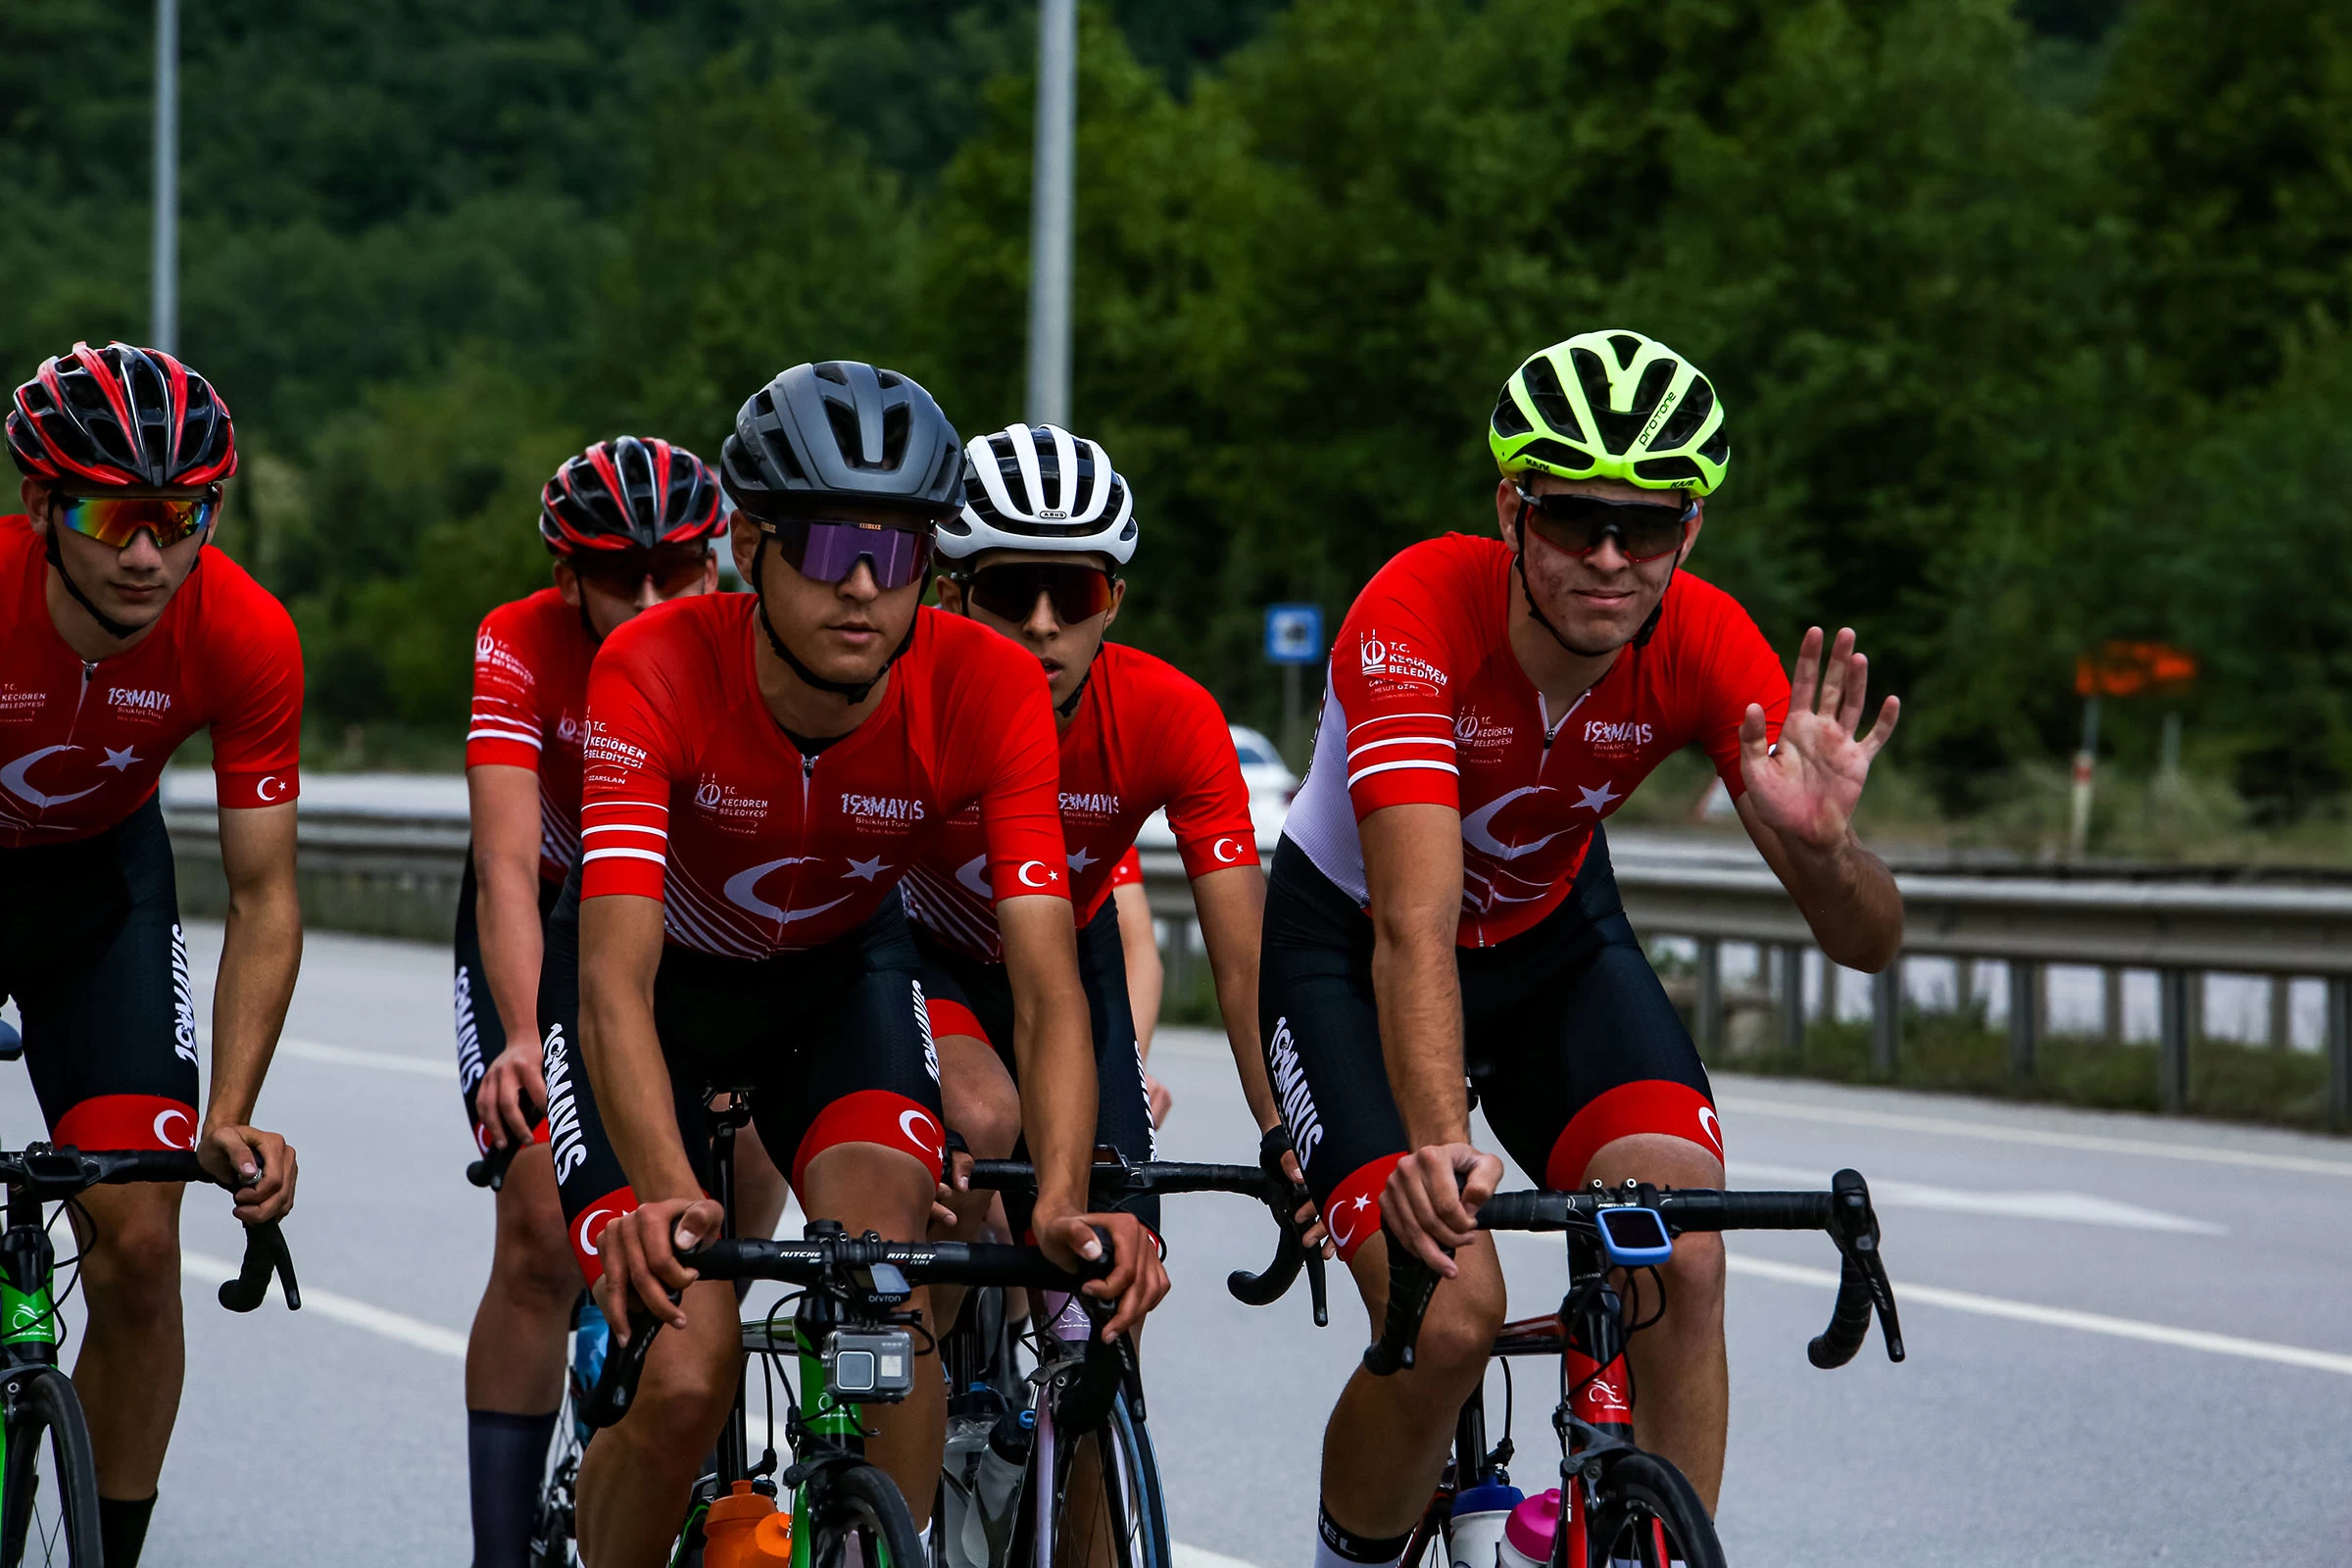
[847,439]
[1698,401]
[1668,469]
[1544,387]
[1557,455]
[1509,421]
[897,421]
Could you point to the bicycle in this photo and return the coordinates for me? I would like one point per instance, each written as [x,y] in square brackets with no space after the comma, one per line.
[851,1344]
[1618,1503]
[48,1479]
[1046,1507]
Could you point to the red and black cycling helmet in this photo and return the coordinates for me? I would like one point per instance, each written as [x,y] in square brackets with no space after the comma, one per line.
[121,415]
[630,494]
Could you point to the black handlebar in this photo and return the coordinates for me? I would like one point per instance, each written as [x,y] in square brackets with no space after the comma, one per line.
[1845,1212]
[491,1169]
[824,1261]
[53,1174]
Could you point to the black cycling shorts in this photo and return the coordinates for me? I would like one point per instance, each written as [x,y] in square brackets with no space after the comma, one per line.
[481,1032]
[1568,1039]
[92,949]
[971,996]
[831,1044]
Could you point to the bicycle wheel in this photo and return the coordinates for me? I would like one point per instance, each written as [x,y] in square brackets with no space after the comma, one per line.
[1111,1511]
[859,1521]
[49,1485]
[1649,1516]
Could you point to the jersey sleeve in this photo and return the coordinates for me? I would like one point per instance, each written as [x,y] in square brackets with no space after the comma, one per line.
[257,733]
[503,729]
[1208,802]
[1005,724]
[629,757]
[1130,868]
[1394,674]
[1736,666]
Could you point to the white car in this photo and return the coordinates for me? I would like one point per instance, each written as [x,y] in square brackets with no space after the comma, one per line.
[1272,784]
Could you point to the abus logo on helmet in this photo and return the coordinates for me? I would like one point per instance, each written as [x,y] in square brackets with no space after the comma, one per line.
[1055,515]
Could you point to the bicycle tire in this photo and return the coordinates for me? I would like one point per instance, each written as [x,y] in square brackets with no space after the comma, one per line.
[1131,1489]
[45,1422]
[1648,1513]
[860,1520]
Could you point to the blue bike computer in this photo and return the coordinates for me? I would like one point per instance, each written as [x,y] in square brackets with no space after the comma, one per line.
[1633,1237]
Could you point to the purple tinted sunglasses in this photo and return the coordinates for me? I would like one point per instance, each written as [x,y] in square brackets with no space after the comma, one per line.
[829,552]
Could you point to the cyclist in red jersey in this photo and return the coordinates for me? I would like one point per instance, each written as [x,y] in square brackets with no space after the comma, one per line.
[1442,916]
[126,634]
[629,524]
[761,769]
[1047,522]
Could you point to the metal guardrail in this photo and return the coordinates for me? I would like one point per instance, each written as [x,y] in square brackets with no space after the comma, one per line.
[386,858]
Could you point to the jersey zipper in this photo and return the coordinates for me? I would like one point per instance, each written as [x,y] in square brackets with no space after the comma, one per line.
[792,884]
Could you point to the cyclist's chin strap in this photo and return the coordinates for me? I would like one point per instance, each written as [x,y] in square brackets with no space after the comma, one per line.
[1069,705]
[1641,638]
[850,692]
[106,622]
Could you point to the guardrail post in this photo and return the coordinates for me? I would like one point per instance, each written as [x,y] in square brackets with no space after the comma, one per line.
[2111,1005]
[1706,1017]
[1886,1019]
[2025,1016]
[2172,1039]
[2282,1024]
[2340,1046]
[1964,985]
[1793,998]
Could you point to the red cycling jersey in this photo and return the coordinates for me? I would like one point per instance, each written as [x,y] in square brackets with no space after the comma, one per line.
[83,743]
[530,709]
[1130,868]
[1144,736]
[1427,703]
[694,795]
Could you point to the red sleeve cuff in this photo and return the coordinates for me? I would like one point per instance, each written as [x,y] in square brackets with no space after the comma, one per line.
[605,873]
[1219,852]
[498,752]
[1129,869]
[1418,784]
[1023,879]
[243,790]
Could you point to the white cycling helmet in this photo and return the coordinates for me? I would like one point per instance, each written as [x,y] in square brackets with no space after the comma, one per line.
[1039,487]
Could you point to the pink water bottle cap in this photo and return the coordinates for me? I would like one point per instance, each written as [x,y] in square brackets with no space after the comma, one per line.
[1533,1524]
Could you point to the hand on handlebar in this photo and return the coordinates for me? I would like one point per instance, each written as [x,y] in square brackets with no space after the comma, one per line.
[258,1168]
[640,1253]
[1313,1234]
[508,1093]
[1138,1280]
[955,1181]
[1430,1205]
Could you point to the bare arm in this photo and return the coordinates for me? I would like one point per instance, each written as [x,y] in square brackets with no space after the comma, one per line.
[1233,913]
[504,802]
[261,953]
[1845,892]
[620,951]
[1140,942]
[1413,869]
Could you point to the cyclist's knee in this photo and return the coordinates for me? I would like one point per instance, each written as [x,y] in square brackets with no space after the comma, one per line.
[131,1266]
[1458,1336]
[537,1267]
[979,1096]
[1694,1277]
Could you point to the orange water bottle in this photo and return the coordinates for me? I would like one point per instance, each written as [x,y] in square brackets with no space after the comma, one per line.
[745,1530]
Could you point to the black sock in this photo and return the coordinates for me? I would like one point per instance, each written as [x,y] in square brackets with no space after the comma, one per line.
[122,1530]
[505,1456]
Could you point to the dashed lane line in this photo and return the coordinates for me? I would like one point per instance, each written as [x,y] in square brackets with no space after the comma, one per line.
[384,1060]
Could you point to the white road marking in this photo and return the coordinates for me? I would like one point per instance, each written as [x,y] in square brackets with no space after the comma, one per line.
[386,1060]
[342,1308]
[1743,1104]
[2061,1317]
[2081,1208]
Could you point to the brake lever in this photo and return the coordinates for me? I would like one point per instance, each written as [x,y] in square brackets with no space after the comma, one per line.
[266,1252]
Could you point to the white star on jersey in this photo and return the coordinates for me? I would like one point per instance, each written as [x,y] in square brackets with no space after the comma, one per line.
[1598,800]
[120,761]
[1081,860]
[865,870]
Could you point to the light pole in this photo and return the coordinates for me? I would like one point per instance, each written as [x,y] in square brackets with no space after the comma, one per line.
[1051,200]
[163,328]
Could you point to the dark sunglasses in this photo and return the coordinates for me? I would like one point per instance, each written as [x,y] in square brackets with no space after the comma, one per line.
[1009,591]
[1576,524]
[829,552]
[116,520]
[620,572]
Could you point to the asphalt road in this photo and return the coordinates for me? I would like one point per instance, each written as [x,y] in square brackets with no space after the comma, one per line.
[2128,1338]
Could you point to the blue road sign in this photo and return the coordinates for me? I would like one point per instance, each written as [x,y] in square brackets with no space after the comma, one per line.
[1294,634]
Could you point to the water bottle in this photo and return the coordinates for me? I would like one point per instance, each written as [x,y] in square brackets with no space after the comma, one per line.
[1475,1534]
[996,1483]
[590,1339]
[1528,1535]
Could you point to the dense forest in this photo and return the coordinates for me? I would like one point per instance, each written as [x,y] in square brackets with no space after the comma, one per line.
[2029,319]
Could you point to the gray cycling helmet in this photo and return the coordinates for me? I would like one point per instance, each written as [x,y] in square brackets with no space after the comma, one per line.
[842,432]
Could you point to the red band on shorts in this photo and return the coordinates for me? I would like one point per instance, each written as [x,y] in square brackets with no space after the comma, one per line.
[950,1017]
[127,1121]
[873,1116]
[590,1227]
[1650,1105]
[481,1134]
[1353,1212]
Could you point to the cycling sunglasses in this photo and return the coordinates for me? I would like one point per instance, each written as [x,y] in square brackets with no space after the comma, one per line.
[621,572]
[116,520]
[1009,591]
[829,552]
[1577,523]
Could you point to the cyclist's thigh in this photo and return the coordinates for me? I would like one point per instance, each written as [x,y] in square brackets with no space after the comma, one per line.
[1594,1053]
[110,1017]
[1122,1103]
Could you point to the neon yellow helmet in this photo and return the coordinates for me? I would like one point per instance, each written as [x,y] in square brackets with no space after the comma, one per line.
[1612,405]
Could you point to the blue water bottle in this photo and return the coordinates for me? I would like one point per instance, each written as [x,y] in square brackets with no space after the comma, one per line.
[1474,1534]
[589,1339]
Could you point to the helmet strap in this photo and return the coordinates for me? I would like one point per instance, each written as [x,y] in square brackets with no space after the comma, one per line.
[1640,639]
[1069,705]
[850,692]
[106,622]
